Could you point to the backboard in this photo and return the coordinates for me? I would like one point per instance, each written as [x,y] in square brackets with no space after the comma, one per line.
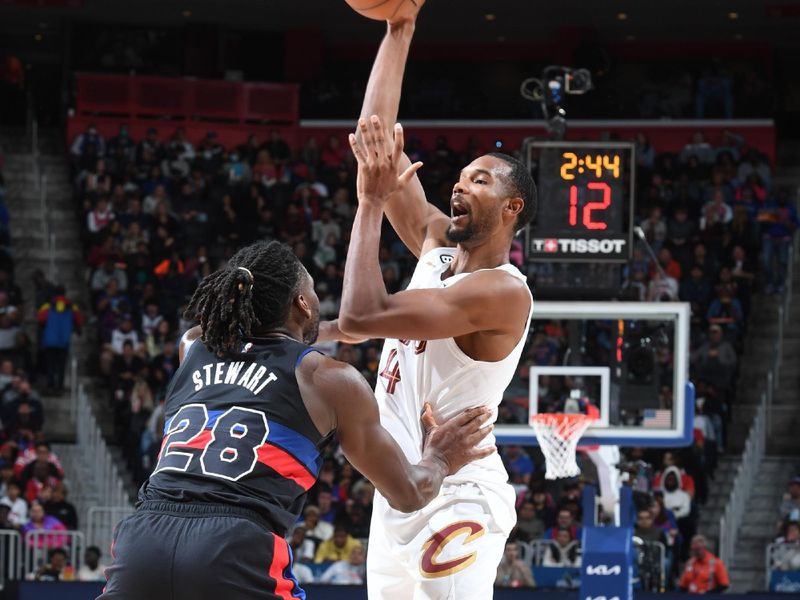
[626,363]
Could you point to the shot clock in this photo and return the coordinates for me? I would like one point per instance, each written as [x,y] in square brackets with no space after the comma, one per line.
[585,202]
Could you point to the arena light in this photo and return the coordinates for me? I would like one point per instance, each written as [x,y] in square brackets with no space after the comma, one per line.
[622,16]
[733,16]
[490,17]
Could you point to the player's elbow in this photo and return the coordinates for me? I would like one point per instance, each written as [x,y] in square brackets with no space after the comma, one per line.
[407,502]
[355,324]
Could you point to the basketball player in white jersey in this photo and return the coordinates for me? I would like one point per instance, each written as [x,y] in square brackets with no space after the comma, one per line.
[453,339]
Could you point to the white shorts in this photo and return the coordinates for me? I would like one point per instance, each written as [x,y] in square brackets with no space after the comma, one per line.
[449,550]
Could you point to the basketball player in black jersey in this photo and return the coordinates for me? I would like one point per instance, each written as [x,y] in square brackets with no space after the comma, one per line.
[246,415]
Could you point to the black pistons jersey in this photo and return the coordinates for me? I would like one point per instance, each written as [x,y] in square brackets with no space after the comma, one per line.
[237,432]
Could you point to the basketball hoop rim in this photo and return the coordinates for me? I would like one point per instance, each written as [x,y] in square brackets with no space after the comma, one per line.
[549,418]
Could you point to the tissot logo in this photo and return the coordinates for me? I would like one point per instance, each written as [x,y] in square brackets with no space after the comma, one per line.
[603,570]
[578,246]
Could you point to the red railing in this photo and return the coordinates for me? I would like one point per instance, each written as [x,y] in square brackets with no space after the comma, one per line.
[142,97]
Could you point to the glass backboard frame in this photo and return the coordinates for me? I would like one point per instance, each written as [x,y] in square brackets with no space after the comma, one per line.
[681,432]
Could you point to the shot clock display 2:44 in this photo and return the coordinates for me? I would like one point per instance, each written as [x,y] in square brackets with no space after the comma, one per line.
[585,201]
[592,164]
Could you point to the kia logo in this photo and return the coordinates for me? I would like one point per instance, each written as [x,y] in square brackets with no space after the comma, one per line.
[603,570]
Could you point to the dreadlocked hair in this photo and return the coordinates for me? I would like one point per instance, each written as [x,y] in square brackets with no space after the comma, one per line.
[232,302]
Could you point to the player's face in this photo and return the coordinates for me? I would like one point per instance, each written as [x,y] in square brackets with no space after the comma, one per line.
[476,206]
[311,326]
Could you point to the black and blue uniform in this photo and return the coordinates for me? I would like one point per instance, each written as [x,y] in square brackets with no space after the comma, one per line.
[239,454]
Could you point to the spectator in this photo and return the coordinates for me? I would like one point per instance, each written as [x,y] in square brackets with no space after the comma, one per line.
[512,572]
[646,528]
[109,271]
[59,508]
[715,360]
[518,464]
[779,222]
[316,529]
[698,148]
[39,521]
[704,572]
[100,216]
[716,211]
[125,333]
[302,573]
[786,557]
[302,547]
[42,453]
[87,145]
[662,288]
[675,498]
[562,551]
[42,475]
[92,569]
[59,319]
[347,572]
[655,228]
[529,525]
[17,506]
[327,509]
[338,547]
[790,505]
[726,311]
[54,569]
[564,520]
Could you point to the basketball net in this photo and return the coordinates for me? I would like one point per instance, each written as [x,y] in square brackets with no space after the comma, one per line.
[558,435]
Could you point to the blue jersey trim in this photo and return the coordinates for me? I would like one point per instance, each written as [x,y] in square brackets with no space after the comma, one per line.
[303,354]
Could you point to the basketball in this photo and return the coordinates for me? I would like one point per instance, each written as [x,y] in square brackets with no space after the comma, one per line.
[380,10]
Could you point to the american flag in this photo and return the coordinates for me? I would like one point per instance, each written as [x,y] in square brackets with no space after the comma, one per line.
[657,418]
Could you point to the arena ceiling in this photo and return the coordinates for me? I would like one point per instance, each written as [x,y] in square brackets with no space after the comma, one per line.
[459,21]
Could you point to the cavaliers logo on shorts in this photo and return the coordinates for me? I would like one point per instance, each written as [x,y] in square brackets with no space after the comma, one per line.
[435,545]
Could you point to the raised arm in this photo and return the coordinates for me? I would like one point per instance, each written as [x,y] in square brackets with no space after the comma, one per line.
[413,218]
[370,448]
[487,301]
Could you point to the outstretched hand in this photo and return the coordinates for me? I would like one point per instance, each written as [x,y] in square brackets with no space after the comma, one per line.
[378,154]
[456,441]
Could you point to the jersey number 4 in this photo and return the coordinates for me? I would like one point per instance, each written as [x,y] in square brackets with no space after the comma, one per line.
[229,448]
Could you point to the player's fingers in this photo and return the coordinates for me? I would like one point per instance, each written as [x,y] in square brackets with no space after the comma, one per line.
[379,135]
[428,421]
[366,137]
[406,175]
[356,147]
[479,453]
[477,436]
[479,412]
[399,142]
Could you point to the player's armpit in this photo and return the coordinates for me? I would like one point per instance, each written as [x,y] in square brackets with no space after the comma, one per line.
[488,301]
[420,225]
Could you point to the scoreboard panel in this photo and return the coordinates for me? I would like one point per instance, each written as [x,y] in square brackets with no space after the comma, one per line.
[585,202]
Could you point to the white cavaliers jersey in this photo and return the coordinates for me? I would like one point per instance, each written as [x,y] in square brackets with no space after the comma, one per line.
[412,373]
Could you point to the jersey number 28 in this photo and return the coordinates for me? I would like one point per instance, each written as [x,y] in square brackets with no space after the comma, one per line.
[230,451]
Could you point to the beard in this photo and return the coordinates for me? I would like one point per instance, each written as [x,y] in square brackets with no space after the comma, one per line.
[311,334]
[457,236]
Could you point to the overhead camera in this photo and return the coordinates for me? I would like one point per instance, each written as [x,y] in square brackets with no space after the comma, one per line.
[551,89]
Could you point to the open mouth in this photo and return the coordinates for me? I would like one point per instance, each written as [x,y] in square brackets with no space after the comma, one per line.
[458,211]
